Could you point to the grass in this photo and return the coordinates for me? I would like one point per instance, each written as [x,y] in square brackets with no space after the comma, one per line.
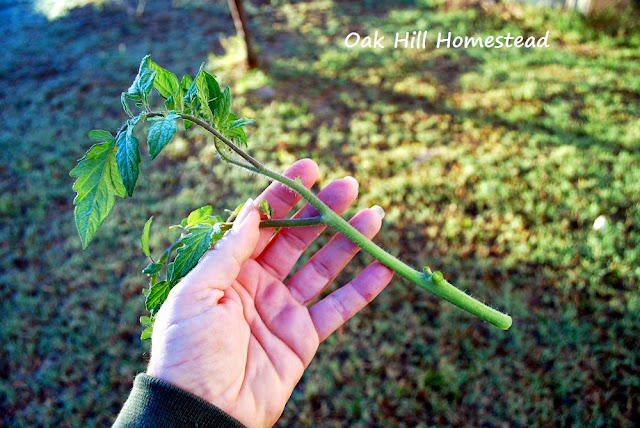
[491,165]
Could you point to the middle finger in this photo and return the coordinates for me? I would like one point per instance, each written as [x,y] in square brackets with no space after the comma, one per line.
[288,244]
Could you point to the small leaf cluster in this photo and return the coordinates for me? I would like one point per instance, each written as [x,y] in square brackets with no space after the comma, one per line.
[200,230]
[111,167]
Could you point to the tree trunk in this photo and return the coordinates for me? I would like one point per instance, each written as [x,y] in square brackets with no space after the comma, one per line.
[242,28]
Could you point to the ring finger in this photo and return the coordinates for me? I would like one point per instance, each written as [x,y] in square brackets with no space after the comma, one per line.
[316,275]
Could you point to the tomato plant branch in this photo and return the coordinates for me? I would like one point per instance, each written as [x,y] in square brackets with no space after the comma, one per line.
[430,281]
[110,170]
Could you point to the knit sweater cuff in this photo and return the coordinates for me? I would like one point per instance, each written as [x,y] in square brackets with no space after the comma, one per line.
[156,403]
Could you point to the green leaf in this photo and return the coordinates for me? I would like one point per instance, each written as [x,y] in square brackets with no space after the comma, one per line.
[165,82]
[160,134]
[185,84]
[97,186]
[146,321]
[266,209]
[143,82]
[152,268]
[191,99]
[146,333]
[128,158]
[157,295]
[213,90]
[197,216]
[187,124]
[125,104]
[100,136]
[195,244]
[203,93]
[236,133]
[233,214]
[144,239]
[240,122]
[197,97]
[209,219]
[170,103]
[213,219]
[222,111]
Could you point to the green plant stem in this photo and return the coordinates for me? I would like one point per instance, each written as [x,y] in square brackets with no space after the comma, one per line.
[294,222]
[442,289]
[422,279]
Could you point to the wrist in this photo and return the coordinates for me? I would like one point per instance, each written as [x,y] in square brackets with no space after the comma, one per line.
[154,401]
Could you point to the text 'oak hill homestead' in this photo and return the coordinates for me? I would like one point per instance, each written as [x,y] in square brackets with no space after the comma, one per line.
[418,40]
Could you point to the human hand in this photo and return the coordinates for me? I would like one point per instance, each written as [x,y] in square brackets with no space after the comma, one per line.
[233,333]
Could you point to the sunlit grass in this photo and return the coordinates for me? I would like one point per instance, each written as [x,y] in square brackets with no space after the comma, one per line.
[491,166]
[54,9]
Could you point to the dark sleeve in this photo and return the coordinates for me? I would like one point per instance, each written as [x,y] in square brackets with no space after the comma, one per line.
[156,403]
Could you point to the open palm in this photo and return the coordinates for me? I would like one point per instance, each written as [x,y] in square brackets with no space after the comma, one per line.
[233,333]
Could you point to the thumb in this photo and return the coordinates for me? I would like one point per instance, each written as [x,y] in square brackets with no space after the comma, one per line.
[220,266]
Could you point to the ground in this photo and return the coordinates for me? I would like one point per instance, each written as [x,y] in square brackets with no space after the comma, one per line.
[492,166]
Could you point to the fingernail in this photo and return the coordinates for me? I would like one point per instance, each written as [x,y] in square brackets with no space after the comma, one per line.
[379,210]
[244,212]
[348,177]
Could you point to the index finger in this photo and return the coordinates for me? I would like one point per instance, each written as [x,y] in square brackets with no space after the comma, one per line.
[282,199]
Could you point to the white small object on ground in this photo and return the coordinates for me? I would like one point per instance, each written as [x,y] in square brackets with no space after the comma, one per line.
[600,223]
